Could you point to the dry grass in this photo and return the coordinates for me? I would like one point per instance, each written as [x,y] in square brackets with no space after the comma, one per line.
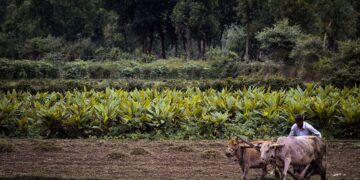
[211,154]
[6,147]
[117,155]
[139,151]
[182,148]
[47,147]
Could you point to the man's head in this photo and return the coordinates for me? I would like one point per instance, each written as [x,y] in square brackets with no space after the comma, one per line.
[299,120]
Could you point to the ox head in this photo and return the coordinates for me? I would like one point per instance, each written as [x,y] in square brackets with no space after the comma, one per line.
[233,145]
[268,151]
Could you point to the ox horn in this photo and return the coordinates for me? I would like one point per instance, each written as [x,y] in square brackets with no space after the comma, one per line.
[276,145]
[244,146]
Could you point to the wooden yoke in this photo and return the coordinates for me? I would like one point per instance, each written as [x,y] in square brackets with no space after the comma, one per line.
[249,143]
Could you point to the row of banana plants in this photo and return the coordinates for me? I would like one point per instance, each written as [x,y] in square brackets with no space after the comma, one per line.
[175,114]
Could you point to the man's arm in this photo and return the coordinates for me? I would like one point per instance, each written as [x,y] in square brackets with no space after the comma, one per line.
[292,132]
[313,130]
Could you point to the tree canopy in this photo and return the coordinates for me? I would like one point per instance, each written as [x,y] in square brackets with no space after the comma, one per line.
[187,28]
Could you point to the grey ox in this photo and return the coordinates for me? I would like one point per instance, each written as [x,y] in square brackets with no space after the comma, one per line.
[304,151]
[246,156]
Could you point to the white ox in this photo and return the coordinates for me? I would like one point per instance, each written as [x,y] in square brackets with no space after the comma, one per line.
[303,151]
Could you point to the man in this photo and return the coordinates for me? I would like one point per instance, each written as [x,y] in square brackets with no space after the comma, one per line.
[302,128]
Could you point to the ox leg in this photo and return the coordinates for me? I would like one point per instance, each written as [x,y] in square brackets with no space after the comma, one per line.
[322,170]
[277,172]
[264,172]
[286,168]
[303,173]
[308,175]
[245,173]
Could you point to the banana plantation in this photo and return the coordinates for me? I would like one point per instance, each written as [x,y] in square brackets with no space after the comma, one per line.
[179,114]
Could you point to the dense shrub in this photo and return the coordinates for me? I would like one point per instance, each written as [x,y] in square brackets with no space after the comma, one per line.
[230,68]
[37,48]
[343,69]
[36,85]
[25,69]
[234,39]
[278,41]
[76,70]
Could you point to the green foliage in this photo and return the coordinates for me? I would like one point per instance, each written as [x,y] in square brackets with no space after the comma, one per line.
[82,49]
[307,49]
[42,85]
[343,69]
[37,48]
[234,39]
[76,70]
[278,41]
[25,69]
[188,114]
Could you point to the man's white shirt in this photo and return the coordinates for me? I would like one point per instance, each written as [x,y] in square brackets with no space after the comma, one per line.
[306,130]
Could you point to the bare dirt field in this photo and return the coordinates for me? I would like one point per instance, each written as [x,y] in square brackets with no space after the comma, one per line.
[144,159]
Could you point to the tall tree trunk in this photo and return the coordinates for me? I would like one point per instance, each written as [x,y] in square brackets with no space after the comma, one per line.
[188,43]
[199,49]
[126,40]
[247,44]
[163,53]
[151,41]
[221,36]
[325,41]
[143,44]
[176,46]
[184,43]
[203,49]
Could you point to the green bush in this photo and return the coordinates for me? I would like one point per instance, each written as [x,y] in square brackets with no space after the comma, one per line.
[343,69]
[25,69]
[76,70]
[37,48]
[234,39]
[43,85]
[278,41]
[82,49]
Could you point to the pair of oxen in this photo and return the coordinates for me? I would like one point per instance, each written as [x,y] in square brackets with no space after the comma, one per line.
[306,154]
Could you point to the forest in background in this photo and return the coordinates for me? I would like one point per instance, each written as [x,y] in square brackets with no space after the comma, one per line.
[318,37]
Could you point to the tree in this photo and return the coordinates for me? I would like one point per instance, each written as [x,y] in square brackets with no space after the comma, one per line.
[338,19]
[112,35]
[235,37]
[279,40]
[226,16]
[181,16]
[300,12]
[308,48]
[196,19]
[253,15]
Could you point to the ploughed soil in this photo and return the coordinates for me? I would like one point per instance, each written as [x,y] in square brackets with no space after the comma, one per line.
[144,159]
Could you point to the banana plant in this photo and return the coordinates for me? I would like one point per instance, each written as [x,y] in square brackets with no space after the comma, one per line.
[324,110]
[48,119]
[350,111]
